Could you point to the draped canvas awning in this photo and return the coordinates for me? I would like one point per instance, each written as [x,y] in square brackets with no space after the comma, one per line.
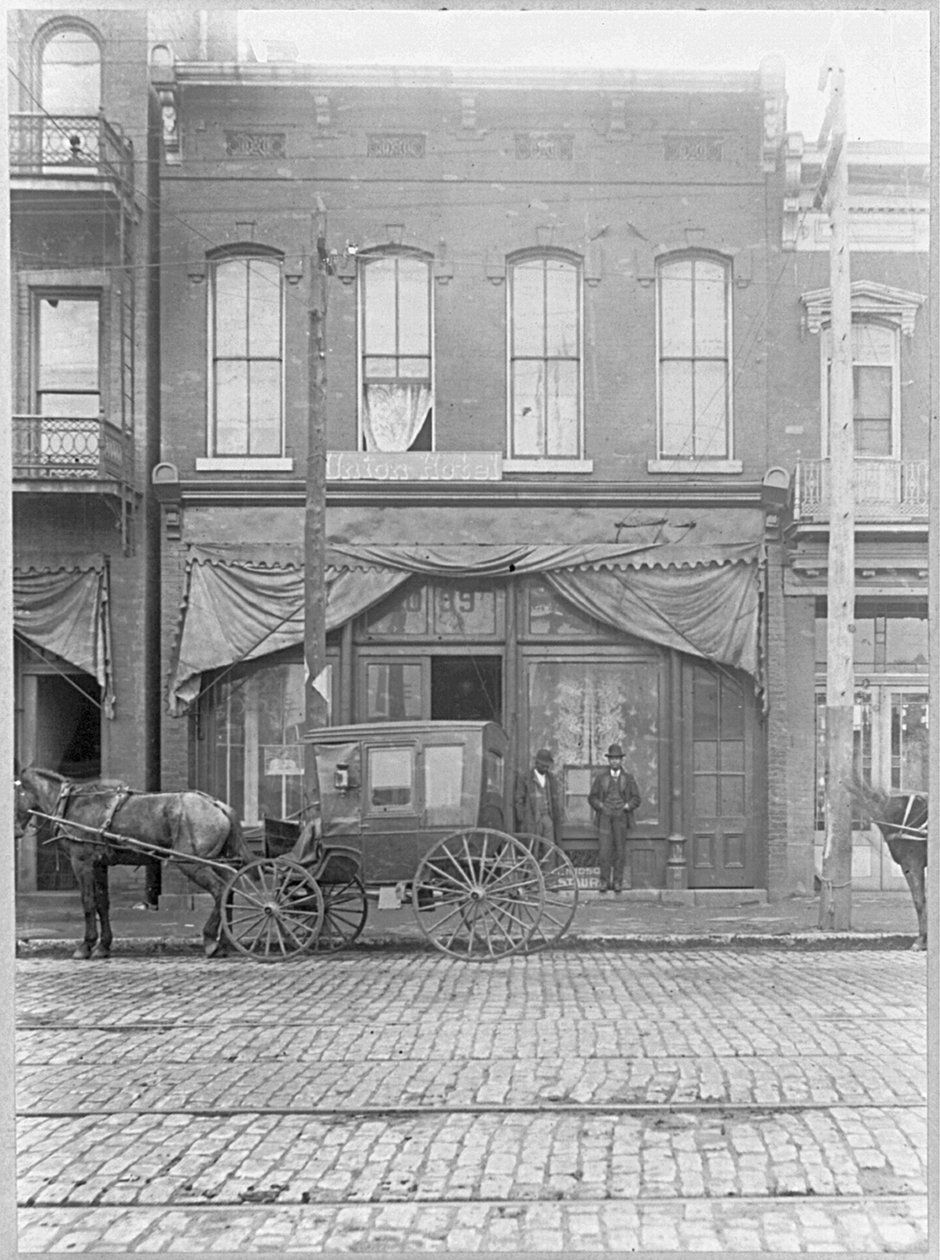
[242,604]
[66,611]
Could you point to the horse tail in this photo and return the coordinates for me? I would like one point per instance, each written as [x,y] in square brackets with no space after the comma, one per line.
[235,844]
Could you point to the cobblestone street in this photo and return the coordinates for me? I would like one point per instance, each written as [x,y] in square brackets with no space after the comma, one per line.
[571,1101]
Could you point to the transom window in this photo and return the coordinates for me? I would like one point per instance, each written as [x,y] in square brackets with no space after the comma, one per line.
[693,346]
[396,399]
[68,372]
[246,349]
[545,351]
[70,73]
[875,386]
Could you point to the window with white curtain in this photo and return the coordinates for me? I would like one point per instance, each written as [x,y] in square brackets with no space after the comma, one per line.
[246,356]
[694,357]
[875,387]
[545,354]
[395,337]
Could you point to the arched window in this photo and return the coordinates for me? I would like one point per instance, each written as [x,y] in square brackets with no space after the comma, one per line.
[544,356]
[395,340]
[694,357]
[246,355]
[70,73]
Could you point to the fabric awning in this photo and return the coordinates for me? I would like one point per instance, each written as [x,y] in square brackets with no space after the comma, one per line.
[66,611]
[701,600]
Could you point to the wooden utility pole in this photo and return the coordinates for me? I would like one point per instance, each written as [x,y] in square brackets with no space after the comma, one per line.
[835,906]
[316,684]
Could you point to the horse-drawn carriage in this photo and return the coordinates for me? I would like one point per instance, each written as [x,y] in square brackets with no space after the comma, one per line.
[404,811]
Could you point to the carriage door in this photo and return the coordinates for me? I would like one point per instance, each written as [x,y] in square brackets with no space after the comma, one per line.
[390,809]
[718,776]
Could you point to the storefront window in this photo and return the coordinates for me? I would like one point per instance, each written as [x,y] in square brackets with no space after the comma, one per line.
[393,692]
[578,708]
[549,615]
[254,725]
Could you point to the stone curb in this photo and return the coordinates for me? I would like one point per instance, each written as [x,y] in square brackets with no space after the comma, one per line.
[804,941]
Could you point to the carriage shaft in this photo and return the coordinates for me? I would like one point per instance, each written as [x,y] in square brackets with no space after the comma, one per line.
[144,847]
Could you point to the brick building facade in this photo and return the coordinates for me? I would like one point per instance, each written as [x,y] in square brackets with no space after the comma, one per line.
[573,352]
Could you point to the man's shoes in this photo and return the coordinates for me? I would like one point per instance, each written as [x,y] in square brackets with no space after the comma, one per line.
[603,887]
[618,888]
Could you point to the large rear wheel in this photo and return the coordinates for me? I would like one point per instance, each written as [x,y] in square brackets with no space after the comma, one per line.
[272,910]
[478,895]
[561,891]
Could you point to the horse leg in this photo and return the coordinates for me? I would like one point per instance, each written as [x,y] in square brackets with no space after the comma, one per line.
[914,873]
[103,908]
[153,882]
[204,877]
[85,876]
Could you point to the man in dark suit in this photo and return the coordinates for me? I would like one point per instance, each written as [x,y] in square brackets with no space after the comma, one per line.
[537,804]
[613,797]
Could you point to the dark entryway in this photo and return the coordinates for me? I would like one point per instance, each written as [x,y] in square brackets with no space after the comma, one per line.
[466,688]
[68,739]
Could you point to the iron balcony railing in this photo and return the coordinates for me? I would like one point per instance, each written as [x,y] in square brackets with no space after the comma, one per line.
[70,146]
[885,490]
[69,448]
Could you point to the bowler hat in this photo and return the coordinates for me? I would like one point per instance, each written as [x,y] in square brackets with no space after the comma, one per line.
[544,756]
[615,751]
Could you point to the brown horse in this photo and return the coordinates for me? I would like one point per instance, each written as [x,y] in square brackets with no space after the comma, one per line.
[183,823]
[901,817]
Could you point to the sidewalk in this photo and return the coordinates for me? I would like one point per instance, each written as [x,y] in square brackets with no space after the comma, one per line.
[54,922]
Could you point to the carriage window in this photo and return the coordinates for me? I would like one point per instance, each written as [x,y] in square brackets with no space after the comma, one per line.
[391,776]
[443,782]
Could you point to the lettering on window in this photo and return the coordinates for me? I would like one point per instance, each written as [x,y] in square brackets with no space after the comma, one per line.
[255,144]
[551,146]
[387,145]
[693,148]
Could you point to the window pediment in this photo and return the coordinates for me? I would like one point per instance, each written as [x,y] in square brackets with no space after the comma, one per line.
[897,306]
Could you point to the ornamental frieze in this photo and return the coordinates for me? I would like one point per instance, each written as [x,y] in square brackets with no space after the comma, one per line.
[693,148]
[549,146]
[398,145]
[255,144]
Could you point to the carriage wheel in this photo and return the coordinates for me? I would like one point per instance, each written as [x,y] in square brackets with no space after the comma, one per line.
[561,891]
[485,892]
[345,909]
[272,909]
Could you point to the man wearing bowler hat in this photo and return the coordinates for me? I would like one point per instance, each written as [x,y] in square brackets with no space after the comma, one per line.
[613,797]
[537,806]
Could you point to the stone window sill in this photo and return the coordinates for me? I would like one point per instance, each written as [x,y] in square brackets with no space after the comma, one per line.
[239,463]
[694,467]
[548,465]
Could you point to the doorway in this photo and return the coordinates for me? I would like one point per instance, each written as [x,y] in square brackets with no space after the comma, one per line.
[466,688]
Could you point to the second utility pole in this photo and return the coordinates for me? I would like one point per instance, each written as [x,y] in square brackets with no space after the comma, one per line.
[835,904]
[316,673]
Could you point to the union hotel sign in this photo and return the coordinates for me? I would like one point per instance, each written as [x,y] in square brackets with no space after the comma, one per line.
[414,466]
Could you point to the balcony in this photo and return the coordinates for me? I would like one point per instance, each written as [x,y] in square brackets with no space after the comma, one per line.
[63,452]
[886,491]
[73,148]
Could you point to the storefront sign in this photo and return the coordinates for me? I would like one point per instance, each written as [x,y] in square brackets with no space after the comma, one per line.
[414,466]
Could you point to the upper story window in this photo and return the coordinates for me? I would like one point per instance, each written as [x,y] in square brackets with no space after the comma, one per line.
[246,356]
[395,338]
[875,387]
[545,354]
[70,73]
[68,357]
[694,357]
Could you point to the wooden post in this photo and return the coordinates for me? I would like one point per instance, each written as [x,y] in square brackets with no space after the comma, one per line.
[316,689]
[835,907]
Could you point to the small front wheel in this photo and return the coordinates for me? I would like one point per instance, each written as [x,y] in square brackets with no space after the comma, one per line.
[478,895]
[272,910]
[345,910]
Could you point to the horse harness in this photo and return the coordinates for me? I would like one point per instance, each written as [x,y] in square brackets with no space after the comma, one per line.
[66,791]
[903,829]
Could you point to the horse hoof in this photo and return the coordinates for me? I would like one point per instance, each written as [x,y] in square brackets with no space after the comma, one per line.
[919,945]
[214,949]
[83,953]
[100,952]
